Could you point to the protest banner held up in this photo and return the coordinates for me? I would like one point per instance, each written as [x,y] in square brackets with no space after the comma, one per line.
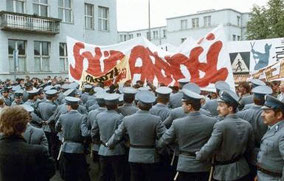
[204,62]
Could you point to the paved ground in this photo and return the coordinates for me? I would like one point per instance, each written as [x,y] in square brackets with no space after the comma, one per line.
[93,172]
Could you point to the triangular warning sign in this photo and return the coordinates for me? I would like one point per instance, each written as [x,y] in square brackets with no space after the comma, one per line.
[239,65]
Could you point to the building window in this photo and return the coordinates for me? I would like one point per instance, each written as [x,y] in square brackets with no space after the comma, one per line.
[183,24]
[41,56]
[65,11]
[155,34]
[195,22]
[239,38]
[148,36]
[125,38]
[121,37]
[238,20]
[17,6]
[207,21]
[103,19]
[182,40]
[17,48]
[164,33]
[89,16]
[130,36]
[138,34]
[234,37]
[63,57]
[40,7]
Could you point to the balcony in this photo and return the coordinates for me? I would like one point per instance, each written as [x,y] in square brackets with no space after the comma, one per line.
[10,21]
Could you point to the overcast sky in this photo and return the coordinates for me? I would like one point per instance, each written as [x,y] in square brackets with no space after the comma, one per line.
[133,14]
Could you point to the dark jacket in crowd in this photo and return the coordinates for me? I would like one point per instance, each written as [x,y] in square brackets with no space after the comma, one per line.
[20,161]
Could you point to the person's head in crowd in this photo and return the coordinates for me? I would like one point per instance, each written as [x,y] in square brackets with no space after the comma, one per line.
[101,84]
[87,88]
[112,88]
[129,94]
[243,88]
[228,103]
[182,82]
[140,83]
[28,86]
[33,95]
[145,100]
[100,98]
[51,95]
[18,97]
[127,84]
[275,86]
[72,103]
[191,101]
[174,89]
[27,78]
[281,87]
[111,101]
[259,93]
[5,92]
[13,121]
[163,94]
[221,86]
[273,111]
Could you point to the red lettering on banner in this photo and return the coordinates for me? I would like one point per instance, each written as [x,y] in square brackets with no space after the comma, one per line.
[94,65]
[153,65]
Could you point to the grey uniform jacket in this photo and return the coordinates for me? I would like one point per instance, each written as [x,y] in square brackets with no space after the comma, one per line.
[35,136]
[271,154]
[179,113]
[232,137]
[191,133]
[74,128]
[106,124]
[62,109]
[160,110]
[143,130]
[253,116]
[246,100]
[211,106]
[92,118]
[46,110]
[175,100]
[127,109]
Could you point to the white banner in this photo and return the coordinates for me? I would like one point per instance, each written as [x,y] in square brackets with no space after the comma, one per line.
[203,62]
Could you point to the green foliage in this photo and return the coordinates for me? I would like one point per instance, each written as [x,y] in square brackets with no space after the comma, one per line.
[267,22]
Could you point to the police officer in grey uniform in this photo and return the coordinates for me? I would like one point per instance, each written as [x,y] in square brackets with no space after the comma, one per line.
[232,141]
[175,99]
[32,134]
[128,97]
[92,118]
[104,126]
[253,116]
[211,105]
[179,112]
[62,109]
[249,99]
[74,127]
[46,110]
[270,159]
[86,93]
[32,97]
[161,108]
[6,97]
[91,103]
[143,130]
[18,98]
[191,133]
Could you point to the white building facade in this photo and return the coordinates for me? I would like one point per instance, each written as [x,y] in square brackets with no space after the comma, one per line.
[196,26]
[33,33]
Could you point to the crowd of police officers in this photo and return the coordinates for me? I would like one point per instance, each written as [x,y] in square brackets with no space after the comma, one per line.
[156,133]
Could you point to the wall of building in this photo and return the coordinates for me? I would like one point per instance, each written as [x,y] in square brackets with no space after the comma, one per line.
[76,30]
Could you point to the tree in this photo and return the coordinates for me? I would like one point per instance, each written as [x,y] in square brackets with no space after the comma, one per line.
[267,22]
